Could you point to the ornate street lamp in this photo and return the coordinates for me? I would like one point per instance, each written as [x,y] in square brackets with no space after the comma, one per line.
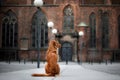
[78,35]
[38,3]
[57,34]
[54,31]
[50,24]
[81,33]
[83,27]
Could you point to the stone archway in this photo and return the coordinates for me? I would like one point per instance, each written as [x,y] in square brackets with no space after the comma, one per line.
[68,50]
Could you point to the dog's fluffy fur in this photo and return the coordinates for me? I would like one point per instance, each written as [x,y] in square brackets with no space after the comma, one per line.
[52,68]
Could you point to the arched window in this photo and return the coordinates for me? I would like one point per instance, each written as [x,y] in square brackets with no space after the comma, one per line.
[105,30]
[39,30]
[9,30]
[119,31]
[92,20]
[68,22]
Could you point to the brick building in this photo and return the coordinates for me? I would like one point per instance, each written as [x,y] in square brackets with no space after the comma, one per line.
[21,23]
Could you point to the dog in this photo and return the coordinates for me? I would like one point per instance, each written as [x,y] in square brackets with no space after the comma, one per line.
[52,67]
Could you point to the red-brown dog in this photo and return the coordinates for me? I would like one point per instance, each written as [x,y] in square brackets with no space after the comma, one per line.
[52,68]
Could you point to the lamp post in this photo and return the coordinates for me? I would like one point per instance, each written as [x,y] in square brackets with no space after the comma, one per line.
[78,35]
[84,29]
[38,3]
[81,33]
[50,25]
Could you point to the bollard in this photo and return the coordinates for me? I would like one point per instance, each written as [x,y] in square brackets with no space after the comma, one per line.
[24,61]
[9,60]
[106,62]
[66,61]
[32,61]
[19,61]
[111,61]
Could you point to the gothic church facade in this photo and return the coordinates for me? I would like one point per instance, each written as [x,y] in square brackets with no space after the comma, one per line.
[23,27]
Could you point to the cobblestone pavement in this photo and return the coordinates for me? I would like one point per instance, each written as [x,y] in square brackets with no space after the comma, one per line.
[71,71]
[113,68]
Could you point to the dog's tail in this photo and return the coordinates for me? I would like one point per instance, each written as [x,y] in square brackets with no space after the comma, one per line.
[42,75]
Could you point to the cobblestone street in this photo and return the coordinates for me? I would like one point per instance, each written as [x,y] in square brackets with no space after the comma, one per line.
[72,71]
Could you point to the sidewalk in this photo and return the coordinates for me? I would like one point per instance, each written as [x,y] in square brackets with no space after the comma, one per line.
[68,72]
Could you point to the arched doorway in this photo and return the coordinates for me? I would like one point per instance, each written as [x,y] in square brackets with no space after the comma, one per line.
[66,51]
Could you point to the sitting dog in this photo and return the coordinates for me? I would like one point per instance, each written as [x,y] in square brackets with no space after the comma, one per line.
[51,68]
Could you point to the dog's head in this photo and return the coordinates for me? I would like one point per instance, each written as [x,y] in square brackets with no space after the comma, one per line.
[54,44]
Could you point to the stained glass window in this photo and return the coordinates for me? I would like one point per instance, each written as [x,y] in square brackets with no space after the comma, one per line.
[68,18]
